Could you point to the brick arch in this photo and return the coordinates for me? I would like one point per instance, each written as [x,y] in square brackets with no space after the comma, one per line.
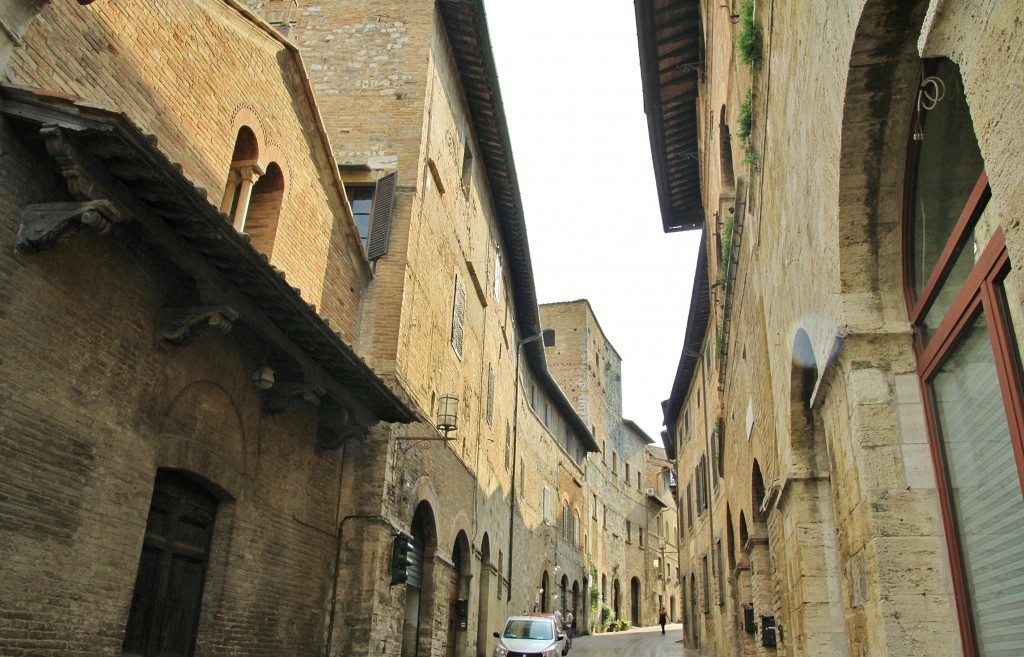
[202,432]
[246,116]
[274,153]
[880,91]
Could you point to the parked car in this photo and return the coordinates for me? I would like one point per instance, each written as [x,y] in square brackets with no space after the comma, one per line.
[536,634]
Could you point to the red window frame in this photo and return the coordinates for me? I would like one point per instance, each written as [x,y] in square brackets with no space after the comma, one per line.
[981,292]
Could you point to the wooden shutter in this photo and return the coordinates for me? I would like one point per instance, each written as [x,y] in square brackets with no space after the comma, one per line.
[458,316]
[380,216]
[490,394]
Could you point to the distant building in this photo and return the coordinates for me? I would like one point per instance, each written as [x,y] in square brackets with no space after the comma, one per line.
[846,416]
[627,503]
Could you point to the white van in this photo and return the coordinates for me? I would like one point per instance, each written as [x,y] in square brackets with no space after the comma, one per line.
[531,636]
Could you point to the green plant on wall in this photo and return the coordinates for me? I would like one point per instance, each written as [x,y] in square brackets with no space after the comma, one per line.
[723,267]
[748,41]
[746,121]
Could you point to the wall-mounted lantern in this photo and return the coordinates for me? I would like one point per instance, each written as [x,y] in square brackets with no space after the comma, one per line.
[447,414]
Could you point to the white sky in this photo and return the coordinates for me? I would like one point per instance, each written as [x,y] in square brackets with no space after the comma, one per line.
[569,72]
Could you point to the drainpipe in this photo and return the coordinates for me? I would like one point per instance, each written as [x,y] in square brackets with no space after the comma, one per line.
[515,462]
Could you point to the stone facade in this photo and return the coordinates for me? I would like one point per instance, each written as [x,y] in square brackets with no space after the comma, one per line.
[622,515]
[134,320]
[197,326]
[806,418]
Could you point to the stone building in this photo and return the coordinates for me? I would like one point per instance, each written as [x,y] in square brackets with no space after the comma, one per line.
[624,485]
[177,369]
[211,322]
[846,416]
[663,575]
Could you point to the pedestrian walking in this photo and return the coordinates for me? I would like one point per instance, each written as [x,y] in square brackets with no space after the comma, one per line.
[570,627]
[662,619]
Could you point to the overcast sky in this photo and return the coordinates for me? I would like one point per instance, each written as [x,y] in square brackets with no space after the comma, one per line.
[569,72]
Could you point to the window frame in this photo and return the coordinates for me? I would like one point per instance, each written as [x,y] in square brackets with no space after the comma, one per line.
[979,294]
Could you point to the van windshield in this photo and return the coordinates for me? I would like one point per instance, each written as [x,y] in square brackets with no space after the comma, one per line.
[539,630]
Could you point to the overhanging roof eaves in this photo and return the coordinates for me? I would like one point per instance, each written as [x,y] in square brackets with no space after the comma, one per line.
[671,62]
[636,427]
[466,27]
[187,212]
[696,329]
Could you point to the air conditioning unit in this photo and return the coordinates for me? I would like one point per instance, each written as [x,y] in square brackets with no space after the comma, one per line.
[650,491]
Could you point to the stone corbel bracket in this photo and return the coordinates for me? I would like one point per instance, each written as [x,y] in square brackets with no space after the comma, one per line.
[181,326]
[45,225]
[282,395]
[336,426]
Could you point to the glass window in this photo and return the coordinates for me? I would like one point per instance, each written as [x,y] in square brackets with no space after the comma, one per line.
[955,274]
[361,200]
[947,165]
[984,489]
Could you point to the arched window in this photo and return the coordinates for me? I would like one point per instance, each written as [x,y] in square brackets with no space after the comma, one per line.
[956,274]
[245,171]
[254,192]
[565,520]
[264,208]
[576,528]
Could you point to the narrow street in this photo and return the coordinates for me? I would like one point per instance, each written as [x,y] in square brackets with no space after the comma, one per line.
[636,642]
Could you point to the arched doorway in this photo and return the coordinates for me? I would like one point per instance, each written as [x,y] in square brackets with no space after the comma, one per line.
[418,592]
[634,592]
[458,598]
[616,609]
[542,604]
[577,610]
[563,594]
[483,604]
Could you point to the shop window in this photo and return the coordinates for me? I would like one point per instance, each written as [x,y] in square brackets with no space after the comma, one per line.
[957,273]
[164,615]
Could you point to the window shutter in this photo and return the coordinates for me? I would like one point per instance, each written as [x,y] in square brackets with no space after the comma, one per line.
[490,395]
[458,315]
[380,216]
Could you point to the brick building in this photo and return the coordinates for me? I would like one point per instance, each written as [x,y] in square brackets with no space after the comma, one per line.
[177,368]
[846,416]
[284,309]
[627,492]
[268,313]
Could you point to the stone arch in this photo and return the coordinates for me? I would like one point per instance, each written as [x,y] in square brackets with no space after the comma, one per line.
[420,593]
[757,494]
[803,377]
[545,586]
[730,539]
[728,177]
[563,593]
[458,591]
[877,109]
